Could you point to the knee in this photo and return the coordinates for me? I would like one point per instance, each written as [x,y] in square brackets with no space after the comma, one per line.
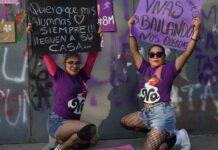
[123,121]
[58,139]
[125,124]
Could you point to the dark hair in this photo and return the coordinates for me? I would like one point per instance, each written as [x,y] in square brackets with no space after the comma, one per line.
[156,45]
[68,55]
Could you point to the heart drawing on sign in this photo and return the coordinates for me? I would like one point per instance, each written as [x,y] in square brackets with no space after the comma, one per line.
[79,18]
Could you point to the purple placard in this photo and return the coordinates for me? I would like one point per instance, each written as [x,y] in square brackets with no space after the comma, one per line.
[106,18]
[166,22]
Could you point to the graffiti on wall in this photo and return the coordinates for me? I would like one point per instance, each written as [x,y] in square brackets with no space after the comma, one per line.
[14,103]
[9,12]
[7,77]
[40,84]
[14,115]
[207,56]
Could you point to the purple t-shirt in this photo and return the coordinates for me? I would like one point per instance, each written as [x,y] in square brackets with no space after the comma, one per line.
[156,87]
[70,93]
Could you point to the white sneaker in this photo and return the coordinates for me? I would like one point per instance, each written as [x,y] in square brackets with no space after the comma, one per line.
[51,145]
[57,147]
[185,142]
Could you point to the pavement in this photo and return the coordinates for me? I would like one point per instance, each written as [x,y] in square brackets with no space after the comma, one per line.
[198,142]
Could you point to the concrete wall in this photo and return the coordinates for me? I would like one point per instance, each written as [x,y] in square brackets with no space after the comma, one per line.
[25,87]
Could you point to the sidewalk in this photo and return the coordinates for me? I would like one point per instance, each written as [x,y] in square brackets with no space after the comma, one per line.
[199,142]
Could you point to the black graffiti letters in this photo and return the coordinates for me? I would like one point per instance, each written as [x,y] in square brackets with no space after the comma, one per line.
[149,36]
[174,43]
[161,26]
[169,8]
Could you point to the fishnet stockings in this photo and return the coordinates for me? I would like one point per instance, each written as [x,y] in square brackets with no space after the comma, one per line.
[133,120]
[155,139]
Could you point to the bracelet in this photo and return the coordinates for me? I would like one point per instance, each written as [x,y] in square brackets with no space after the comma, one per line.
[194,39]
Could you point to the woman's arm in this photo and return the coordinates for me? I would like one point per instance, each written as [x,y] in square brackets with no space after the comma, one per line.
[137,57]
[90,61]
[181,60]
[50,64]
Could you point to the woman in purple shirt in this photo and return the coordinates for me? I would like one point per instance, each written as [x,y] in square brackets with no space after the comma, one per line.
[70,90]
[157,79]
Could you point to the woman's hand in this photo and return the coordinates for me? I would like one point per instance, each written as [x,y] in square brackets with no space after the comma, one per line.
[196,23]
[29,28]
[182,59]
[131,21]
[100,32]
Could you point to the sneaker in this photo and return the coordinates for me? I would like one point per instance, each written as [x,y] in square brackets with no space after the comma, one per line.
[185,142]
[57,147]
[52,145]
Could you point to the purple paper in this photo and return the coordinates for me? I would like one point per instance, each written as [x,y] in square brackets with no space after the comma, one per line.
[166,22]
[106,18]
[124,147]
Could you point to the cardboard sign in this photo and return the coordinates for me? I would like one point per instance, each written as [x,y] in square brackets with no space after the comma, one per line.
[166,22]
[106,17]
[64,26]
[7,32]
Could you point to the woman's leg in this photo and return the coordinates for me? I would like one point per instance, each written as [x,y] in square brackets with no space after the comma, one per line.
[67,134]
[168,143]
[134,120]
[154,139]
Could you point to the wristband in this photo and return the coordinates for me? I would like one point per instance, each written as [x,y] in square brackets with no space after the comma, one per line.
[194,39]
[131,35]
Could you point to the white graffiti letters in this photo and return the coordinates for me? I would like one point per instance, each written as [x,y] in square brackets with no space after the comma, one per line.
[14,79]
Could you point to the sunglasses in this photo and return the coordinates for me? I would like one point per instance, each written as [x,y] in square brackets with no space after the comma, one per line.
[158,54]
[76,63]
